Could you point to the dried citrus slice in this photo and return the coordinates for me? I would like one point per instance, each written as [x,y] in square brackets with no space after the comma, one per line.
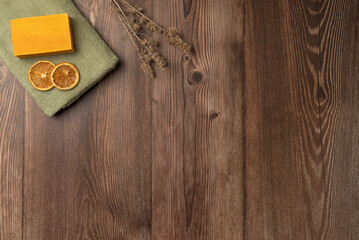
[65,76]
[40,75]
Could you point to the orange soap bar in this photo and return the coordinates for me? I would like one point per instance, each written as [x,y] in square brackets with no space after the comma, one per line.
[39,36]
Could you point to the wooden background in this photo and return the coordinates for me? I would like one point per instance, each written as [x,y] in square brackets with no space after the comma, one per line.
[255,135]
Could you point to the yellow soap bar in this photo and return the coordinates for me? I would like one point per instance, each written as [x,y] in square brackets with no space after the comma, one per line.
[39,36]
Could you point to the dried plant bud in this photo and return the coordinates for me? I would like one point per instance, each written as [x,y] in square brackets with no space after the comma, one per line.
[159,60]
[148,70]
[172,31]
[174,39]
[155,56]
[145,55]
[136,27]
[142,20]
[140,9]
[150,42]
[153,28]
[147,58]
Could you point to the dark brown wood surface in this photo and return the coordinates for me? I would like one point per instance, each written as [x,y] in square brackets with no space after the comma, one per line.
[255,135]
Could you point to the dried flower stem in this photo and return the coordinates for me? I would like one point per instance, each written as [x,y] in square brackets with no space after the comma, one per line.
[133,20]
[128,26]
[131,37]
[140,14]
[146,67]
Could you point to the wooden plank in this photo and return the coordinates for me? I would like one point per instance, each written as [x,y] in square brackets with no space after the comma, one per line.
[252,136]
[284,179]
[197,152]
[11,155]
[88,170]
[339,95]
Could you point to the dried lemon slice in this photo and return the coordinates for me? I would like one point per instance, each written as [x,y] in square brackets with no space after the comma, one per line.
[65,76]
[40,75]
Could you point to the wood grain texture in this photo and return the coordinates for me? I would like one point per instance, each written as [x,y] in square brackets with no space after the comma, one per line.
[90,172]
[338,81]
[253,135]
[197,129]
[11,155]
[299,56]
[284,170]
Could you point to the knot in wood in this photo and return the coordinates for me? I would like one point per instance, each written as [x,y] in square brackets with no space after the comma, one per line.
[195,77]
[214,116]
[187,57]
[321,95]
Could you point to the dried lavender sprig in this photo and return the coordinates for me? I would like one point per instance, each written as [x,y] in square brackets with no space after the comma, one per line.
[146,66]
[145,48]
[155,56]
[173,39]
[126,28]
[148,70]
[140,14]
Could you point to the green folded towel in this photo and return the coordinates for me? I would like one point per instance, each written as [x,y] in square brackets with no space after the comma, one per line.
[92,56]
